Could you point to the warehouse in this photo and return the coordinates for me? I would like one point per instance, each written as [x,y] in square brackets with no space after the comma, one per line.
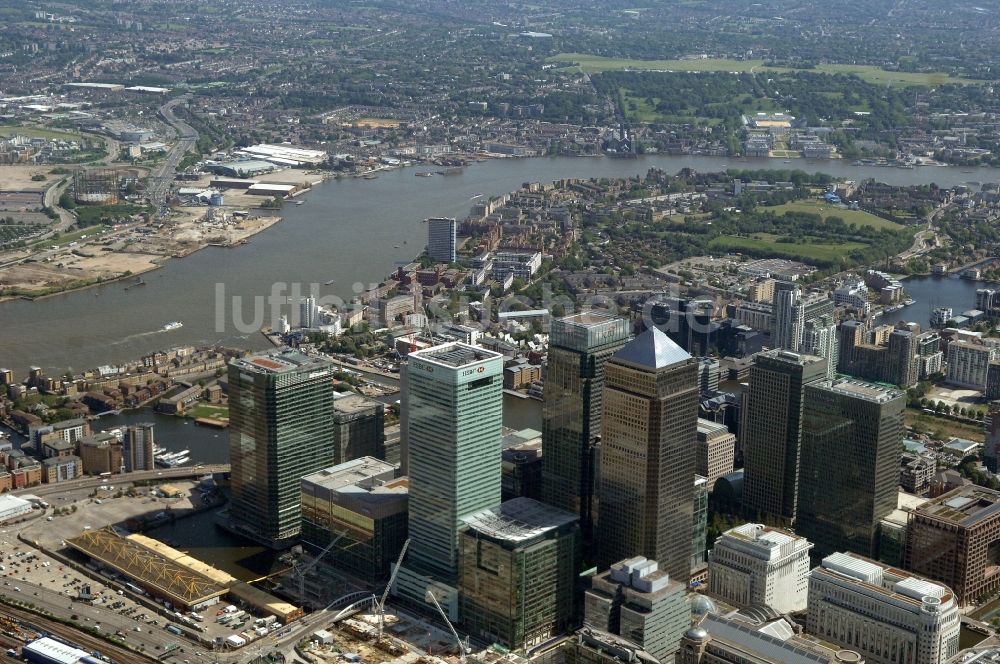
[50,651]
[12,507]
[285,155]
[241,169]
[268,189]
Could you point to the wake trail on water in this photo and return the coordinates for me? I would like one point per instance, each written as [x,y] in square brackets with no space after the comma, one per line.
[138,335]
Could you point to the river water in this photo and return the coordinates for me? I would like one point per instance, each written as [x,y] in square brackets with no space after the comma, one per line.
[348,231]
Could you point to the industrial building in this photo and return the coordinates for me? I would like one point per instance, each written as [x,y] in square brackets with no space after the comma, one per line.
[271,189]
[12,507]
[241,169]
[517,572]
[166,573]
[285,155]
[363,501]
[47,650]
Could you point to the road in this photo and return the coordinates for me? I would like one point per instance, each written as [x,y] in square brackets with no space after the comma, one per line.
[94,482]
[58,601]
[51,201]
[919,245]
[159,180]
[85,641]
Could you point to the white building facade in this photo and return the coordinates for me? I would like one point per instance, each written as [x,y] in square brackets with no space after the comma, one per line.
[886,614]
[753,565]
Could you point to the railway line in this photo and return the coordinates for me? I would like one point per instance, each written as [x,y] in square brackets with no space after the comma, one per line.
[82,639]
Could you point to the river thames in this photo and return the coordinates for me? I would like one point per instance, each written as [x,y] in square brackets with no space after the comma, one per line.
[349,231]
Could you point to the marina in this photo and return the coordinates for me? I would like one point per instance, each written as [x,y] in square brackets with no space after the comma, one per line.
[173,459]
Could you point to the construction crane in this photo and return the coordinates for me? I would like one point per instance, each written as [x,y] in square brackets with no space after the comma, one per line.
[300,572]
[463,646]
[380,605]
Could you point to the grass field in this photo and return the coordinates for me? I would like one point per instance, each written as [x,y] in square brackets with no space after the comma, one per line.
[640,110]
[66,238]
[766,242]
[38,132]
[941,427]
[209,410]
[592,64]
[825,210]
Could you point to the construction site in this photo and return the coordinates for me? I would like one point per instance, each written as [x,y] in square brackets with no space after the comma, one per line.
[96,186]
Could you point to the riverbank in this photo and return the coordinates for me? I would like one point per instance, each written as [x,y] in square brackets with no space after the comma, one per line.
[124,254]
[345,235]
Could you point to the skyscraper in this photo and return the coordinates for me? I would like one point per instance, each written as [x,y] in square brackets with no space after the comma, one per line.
[454,422]
[991,450]
[280,429]
[850,334]
[819,338]
[308,313]
[794,312]
[857,429]
[138,451]
[772,432]
[441,239]
[579,346]
[648,454]
[902,361]
[788,320]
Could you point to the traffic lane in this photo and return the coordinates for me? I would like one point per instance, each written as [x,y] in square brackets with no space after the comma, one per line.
[96,616]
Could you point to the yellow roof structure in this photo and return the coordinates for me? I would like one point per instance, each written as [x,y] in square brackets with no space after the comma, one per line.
[173,574]
[168,577]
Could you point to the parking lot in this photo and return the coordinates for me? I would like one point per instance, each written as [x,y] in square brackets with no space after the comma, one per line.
[29,575]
